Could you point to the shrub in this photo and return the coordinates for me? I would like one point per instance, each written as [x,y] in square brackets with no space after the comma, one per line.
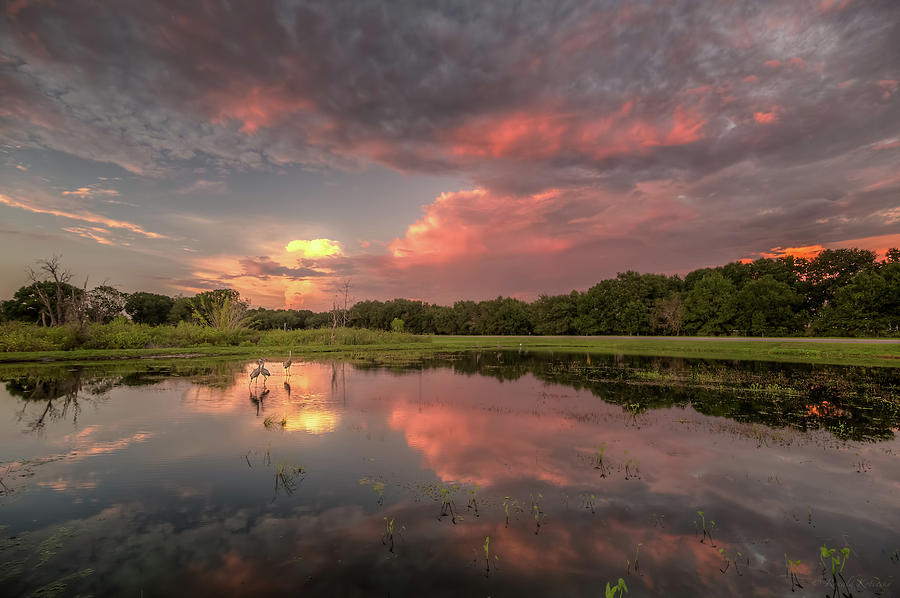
[221,309]
[118,334]
[18,336]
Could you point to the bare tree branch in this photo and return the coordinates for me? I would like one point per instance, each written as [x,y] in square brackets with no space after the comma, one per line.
[50,270]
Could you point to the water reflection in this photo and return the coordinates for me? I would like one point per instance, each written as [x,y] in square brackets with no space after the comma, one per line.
[580,469]
[47,399]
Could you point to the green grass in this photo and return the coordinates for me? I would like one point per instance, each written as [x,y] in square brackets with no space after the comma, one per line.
[125,340]
[270,354]
[821,351]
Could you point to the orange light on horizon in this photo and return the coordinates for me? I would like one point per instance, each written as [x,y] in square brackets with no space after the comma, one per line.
[807,252]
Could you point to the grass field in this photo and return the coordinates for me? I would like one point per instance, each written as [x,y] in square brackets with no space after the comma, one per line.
[824,351]
[274,346]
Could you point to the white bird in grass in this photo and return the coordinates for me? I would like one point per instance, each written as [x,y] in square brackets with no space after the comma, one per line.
[260,369]
[287,364]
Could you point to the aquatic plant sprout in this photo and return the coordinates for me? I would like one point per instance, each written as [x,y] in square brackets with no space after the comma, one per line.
[616,591]
[838,560]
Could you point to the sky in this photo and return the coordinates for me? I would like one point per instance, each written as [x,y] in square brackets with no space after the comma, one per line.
[439,150]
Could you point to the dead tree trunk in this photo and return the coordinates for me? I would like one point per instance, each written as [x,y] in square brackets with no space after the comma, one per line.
[51,271]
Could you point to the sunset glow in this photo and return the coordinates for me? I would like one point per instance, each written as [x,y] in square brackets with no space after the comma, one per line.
[313,248]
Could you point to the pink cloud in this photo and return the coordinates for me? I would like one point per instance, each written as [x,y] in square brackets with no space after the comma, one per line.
[255,107]
[767,117]
[468,224]
[83,216]
[827,6]
[887,144]
[91,191]
[686,126]
[891,180]
[889,86]
[536,135]
[545,134]
[795,62]
[90,234]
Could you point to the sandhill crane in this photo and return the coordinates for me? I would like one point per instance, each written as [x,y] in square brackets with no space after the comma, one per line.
[260,369]
[287,364]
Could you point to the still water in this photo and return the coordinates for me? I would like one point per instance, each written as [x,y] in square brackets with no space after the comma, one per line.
[364,479]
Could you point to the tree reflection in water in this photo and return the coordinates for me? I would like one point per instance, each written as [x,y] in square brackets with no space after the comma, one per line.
[58,398]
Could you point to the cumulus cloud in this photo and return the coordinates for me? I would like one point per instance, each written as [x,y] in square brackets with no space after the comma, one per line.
[314,248]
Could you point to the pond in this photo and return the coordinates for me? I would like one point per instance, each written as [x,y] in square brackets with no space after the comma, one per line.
[494,473]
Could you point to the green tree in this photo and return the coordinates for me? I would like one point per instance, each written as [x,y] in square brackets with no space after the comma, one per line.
[892,256]
[26,304]
[318,320]
[280,319]
[397,325]
[555,314]
[443,319]
[766,307]
[623,305]
[505,315]
[466,317]
[709,305]
[830,270]
[868,305]
[784,269]
[739,273]
[369,314]
[149,308]
[182,310]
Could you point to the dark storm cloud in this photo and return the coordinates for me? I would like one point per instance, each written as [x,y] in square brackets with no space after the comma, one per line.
[246,84]
[264,268]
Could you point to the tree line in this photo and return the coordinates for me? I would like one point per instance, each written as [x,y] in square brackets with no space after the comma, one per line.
[840,292]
